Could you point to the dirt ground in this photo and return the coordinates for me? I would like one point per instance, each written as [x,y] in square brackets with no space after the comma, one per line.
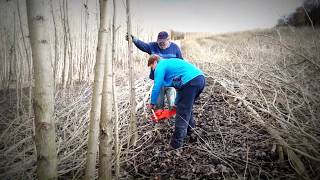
[226,144]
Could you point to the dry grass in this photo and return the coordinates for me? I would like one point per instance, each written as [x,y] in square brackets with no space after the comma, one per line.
[72,109]
[276,74]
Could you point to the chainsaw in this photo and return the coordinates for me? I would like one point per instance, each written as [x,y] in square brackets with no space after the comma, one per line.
[162,114]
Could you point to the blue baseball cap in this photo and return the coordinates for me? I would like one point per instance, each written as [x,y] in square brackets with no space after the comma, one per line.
[163,35]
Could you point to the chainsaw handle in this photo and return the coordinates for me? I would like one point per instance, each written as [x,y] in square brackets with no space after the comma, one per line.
[154,114]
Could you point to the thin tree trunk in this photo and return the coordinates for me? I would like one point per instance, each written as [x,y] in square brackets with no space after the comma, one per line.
[81,49]
[86,43]
[68,34]
[38,20]
[20,78]
[28,62]
[65,44]
[5,82]
[56,45]
[116,127]
[133,134]
[15,46]
[96,96]
[114,96]
[7,66]
[106,125]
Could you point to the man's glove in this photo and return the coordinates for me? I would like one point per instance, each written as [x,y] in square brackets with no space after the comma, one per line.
[127,37]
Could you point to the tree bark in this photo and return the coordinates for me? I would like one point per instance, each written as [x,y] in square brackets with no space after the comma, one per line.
[70,49]
[96,97]
[106,125]
[38,20]
[28,61]
[65,44]
[133,134]
[15,59]
[114,95]
[116,127]
[56,45]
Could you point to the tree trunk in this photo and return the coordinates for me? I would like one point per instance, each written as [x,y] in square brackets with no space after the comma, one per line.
[114,95]
[86,70]
[116,126]
[56,45]
[133,134]
[38,20]
[70,49]
[15,59]
[28,62]
[106,125]
[96,96]
[65,44]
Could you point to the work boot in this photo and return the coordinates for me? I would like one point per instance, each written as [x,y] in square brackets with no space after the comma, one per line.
[175,144]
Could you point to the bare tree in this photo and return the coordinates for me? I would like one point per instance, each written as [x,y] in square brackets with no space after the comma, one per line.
[70,49]
[114,95]
[116,124]
[133,134]
[15,60]
[43,103]
[56,45]
[65,41]
[106,125]
[28,61]
[97,91]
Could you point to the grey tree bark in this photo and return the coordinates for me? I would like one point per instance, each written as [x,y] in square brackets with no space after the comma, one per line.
[43,102]
[28,61]
[133,134]
[97,92]
[116,126]
[106,124]
[63,16]
[114,95]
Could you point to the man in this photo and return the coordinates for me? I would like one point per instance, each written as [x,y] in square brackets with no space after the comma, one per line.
[165,49]
[189,82]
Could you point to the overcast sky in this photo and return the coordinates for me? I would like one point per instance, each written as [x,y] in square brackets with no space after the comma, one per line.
[181,15]
[211,15]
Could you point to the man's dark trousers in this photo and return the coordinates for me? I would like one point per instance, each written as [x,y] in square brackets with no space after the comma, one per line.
[186,97]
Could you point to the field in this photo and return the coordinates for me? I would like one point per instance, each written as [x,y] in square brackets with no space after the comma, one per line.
[257,118]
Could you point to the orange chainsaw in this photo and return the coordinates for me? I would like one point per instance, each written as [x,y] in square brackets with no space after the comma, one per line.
[162,114]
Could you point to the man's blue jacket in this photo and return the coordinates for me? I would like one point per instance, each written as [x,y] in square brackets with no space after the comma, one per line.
[168,69]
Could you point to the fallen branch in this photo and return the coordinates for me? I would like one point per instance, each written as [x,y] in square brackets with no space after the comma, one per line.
[297,164]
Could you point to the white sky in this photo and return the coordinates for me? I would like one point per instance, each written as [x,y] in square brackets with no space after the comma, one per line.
[181,15]
[210,15]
